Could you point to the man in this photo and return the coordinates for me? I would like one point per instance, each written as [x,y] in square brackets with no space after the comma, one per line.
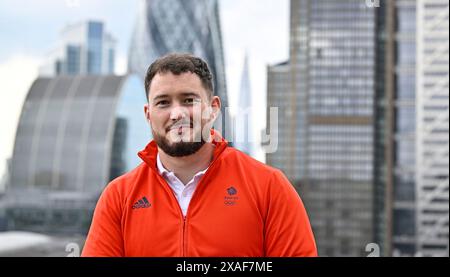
[193,195]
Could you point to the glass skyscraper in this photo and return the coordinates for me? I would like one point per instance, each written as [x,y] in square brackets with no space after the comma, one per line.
[244,139]
[411,171]
[75,134]
[403,174]
[278,95]
[432,139]
[326,139]
[84,48]
[364,98]
[190,26]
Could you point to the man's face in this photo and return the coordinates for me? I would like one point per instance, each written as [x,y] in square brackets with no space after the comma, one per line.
[180,112]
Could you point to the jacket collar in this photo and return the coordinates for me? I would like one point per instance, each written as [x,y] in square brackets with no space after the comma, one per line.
[149,154]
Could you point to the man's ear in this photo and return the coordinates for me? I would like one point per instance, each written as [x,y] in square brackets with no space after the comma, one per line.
[216,104]
[147,112]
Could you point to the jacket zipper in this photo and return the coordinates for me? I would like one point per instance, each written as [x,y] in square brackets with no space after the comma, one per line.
[188,210]
[184,239]
[164,182]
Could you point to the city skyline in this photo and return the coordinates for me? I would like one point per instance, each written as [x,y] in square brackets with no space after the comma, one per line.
[30,35]
[362,125]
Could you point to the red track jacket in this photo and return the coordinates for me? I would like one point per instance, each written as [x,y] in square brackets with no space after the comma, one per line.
[241,207]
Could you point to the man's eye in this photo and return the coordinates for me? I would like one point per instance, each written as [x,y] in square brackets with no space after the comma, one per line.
[191,101]
[162,103]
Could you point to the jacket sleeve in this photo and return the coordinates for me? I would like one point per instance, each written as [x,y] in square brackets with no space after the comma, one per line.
[287,231]
[105,235]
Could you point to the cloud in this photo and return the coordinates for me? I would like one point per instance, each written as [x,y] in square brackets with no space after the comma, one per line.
[33,26]
[48,8]
[16,76]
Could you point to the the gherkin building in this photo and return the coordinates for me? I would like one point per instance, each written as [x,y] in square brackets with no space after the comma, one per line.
[187,26]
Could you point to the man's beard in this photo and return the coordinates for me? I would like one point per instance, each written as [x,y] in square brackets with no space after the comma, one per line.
[177,149]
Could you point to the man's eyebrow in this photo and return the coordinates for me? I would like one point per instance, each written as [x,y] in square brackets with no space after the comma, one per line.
[184,94]
[161,96]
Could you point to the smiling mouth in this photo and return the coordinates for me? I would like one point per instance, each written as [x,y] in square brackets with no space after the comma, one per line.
[179,128]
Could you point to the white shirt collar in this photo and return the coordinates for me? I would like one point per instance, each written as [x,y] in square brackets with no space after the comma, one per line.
[163,171]
[182,192]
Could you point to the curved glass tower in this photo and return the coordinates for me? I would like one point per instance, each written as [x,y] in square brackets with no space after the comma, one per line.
[75,134]
[188,26]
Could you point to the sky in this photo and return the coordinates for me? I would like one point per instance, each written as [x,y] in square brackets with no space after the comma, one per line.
[29,30]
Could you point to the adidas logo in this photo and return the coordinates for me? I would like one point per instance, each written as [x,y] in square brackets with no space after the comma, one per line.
[142,203]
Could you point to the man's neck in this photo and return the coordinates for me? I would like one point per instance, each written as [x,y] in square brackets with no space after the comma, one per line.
[186,167]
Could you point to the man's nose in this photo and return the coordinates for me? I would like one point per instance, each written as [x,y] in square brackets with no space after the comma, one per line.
[178,112]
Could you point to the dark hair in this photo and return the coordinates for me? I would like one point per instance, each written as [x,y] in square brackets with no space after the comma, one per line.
[177,64]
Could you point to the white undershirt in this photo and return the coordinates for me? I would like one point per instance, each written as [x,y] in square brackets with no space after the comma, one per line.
[182,192]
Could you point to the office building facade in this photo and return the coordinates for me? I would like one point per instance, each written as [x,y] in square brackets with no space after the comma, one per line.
[84,48]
